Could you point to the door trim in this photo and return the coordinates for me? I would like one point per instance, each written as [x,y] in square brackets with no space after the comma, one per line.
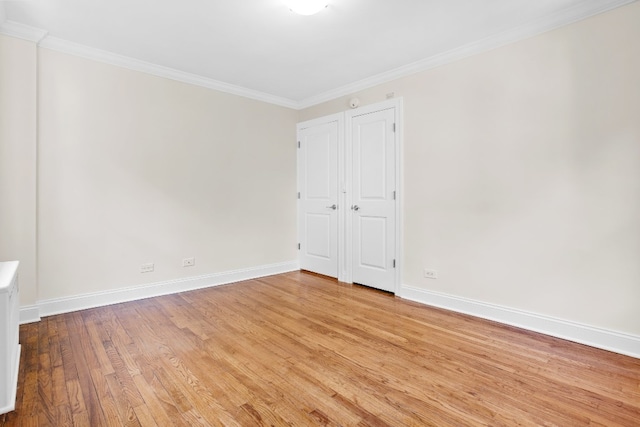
[344,183]
[396,105]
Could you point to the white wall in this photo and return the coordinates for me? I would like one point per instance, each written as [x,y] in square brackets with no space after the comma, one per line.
[135,168]
[522,173]
[18,160]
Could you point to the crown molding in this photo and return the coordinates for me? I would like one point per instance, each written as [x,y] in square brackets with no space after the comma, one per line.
[21,31]
[65,46]
[564,17]
[40,37]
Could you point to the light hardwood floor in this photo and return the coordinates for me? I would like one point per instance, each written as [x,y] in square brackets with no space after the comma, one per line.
[299,349]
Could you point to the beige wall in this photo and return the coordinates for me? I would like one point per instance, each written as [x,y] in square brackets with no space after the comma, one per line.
[135,168]
[18,160]
[522,173]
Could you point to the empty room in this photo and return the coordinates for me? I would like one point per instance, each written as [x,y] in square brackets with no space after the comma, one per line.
[320,213]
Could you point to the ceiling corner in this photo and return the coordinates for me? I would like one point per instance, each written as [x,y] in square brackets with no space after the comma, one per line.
[21,31]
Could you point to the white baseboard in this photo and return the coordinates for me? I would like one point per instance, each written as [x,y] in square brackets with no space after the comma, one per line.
[29,314]
[98,299]
[595,337]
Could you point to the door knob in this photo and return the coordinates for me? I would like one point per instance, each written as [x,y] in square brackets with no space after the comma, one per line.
[355,207]
[334,207]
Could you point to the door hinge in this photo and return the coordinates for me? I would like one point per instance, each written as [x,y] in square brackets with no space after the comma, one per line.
[298,246]
[394,195]
[394,127]
[298,144]
[394,263]
[298,194]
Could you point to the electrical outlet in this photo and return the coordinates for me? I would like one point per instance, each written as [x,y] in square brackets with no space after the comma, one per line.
[430,274]
[146,268]
[188,262]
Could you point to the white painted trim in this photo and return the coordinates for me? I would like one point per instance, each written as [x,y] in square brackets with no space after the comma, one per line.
[99,299]
[564,17]
[337,117]
[584,334]
[399,191]
[29,314]
[40,37]
[65,46]
[21,31]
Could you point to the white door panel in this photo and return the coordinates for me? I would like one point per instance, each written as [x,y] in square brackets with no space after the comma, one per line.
[372,241]
[372,160]
[373,199]
[318,188]
[318,153]
[318,233]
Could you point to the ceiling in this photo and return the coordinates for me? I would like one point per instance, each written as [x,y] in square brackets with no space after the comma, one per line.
[260,49]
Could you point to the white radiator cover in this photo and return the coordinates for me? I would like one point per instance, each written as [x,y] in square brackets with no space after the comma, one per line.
[9,327]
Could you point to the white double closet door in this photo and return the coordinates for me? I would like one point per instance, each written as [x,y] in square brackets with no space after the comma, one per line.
[348,207]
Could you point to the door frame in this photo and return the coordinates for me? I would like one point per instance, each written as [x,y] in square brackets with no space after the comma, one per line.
[396,105]
[345,146]
[339,118]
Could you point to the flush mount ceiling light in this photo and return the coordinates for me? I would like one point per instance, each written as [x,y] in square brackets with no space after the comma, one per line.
[306,7]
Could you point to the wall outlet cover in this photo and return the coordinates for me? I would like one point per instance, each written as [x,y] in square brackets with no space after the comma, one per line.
[430,274]
[146,268]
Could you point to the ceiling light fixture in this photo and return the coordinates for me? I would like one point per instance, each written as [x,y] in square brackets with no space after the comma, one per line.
[306,7]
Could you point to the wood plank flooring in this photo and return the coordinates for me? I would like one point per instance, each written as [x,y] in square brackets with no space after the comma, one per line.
[302,350]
